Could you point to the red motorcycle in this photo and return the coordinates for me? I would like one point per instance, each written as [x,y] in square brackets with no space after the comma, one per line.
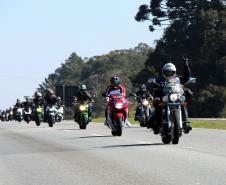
[117,113]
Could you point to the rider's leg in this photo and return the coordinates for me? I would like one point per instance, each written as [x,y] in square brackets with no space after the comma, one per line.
[186,122]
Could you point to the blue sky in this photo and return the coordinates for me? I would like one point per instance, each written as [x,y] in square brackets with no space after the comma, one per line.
[36,36]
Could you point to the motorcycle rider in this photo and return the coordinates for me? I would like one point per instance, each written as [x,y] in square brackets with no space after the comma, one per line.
[169,71]
[115,88]
[49,100]
[28,102]
[140,94]
[82,96]
[18,104]
[38,100]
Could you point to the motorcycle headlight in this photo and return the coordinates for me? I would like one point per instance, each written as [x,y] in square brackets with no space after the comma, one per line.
[82,108]
[145,103]
[118,105]
[173,97]
[165,99]
[39,109]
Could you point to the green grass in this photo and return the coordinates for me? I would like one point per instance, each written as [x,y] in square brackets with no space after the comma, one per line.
[212,124]
[218,124]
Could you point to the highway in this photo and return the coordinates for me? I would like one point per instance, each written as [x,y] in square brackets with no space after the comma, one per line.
[66,155]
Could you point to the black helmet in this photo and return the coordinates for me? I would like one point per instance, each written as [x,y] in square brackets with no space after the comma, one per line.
[142,87]
[115,80]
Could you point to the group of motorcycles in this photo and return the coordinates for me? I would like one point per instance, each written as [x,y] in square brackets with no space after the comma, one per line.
[51,114]
[171,125]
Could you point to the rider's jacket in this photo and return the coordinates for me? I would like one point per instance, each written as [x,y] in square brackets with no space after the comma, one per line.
[110,90]
[82,96]
[161,81]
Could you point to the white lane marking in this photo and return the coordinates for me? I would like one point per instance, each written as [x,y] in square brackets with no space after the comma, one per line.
[67,130]
[143,142]
[97,135]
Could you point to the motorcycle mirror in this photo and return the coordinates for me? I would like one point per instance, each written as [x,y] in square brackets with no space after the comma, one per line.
[192,80]
[151,80]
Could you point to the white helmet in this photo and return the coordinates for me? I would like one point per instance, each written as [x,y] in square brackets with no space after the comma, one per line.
[169,70]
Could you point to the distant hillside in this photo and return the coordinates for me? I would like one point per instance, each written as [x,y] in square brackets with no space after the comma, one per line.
[96,71]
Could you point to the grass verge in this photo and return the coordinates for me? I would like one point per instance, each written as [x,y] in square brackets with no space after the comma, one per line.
[210,124]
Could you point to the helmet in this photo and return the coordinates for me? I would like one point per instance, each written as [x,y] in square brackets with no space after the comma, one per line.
[169,70]
[115,80]
[38,94]
[82,87]
[142,87]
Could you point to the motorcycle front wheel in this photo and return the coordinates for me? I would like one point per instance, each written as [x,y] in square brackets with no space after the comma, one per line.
[176,127]
[51,121]
[118,126]
[83,122]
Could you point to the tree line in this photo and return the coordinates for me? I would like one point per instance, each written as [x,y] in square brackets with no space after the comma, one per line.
[195,28]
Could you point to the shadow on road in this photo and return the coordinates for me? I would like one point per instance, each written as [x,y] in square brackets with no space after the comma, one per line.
[89,137]
[133,145]
[86,137]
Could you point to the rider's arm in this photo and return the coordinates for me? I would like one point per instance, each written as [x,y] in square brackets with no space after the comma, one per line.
[187,72]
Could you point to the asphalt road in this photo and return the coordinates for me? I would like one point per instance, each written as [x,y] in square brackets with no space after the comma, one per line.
[65,155]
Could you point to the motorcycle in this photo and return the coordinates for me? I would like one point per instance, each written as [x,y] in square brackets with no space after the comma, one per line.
[38,115]
[19,114]
[118,108]
[59,114]
[144,106]
[171,125]
[10,115]
[50,114]
[83,114]
[27,114]
[3,116]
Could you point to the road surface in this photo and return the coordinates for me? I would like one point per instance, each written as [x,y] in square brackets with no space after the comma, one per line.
[65,155]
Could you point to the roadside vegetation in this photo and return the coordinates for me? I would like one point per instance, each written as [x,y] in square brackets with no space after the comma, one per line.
[195,28]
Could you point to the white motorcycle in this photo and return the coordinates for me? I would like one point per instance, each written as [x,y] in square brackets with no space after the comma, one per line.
[19,114]
[59,114]
[27,114]
[50,114]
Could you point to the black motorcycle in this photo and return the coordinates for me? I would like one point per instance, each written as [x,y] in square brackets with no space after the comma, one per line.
[173,99]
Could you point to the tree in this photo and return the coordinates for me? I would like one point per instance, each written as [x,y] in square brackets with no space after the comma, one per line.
[196,28]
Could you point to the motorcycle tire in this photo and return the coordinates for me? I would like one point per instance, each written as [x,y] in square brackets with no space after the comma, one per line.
[118,125]
[114,133]
[176,127]
[38,121]
[51,121]
[166,139]
[84,122]
[143,124]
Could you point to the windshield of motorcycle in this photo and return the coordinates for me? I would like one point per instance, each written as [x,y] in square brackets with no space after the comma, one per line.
[173,86]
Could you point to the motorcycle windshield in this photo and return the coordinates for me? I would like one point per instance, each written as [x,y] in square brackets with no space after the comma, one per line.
[173,86]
